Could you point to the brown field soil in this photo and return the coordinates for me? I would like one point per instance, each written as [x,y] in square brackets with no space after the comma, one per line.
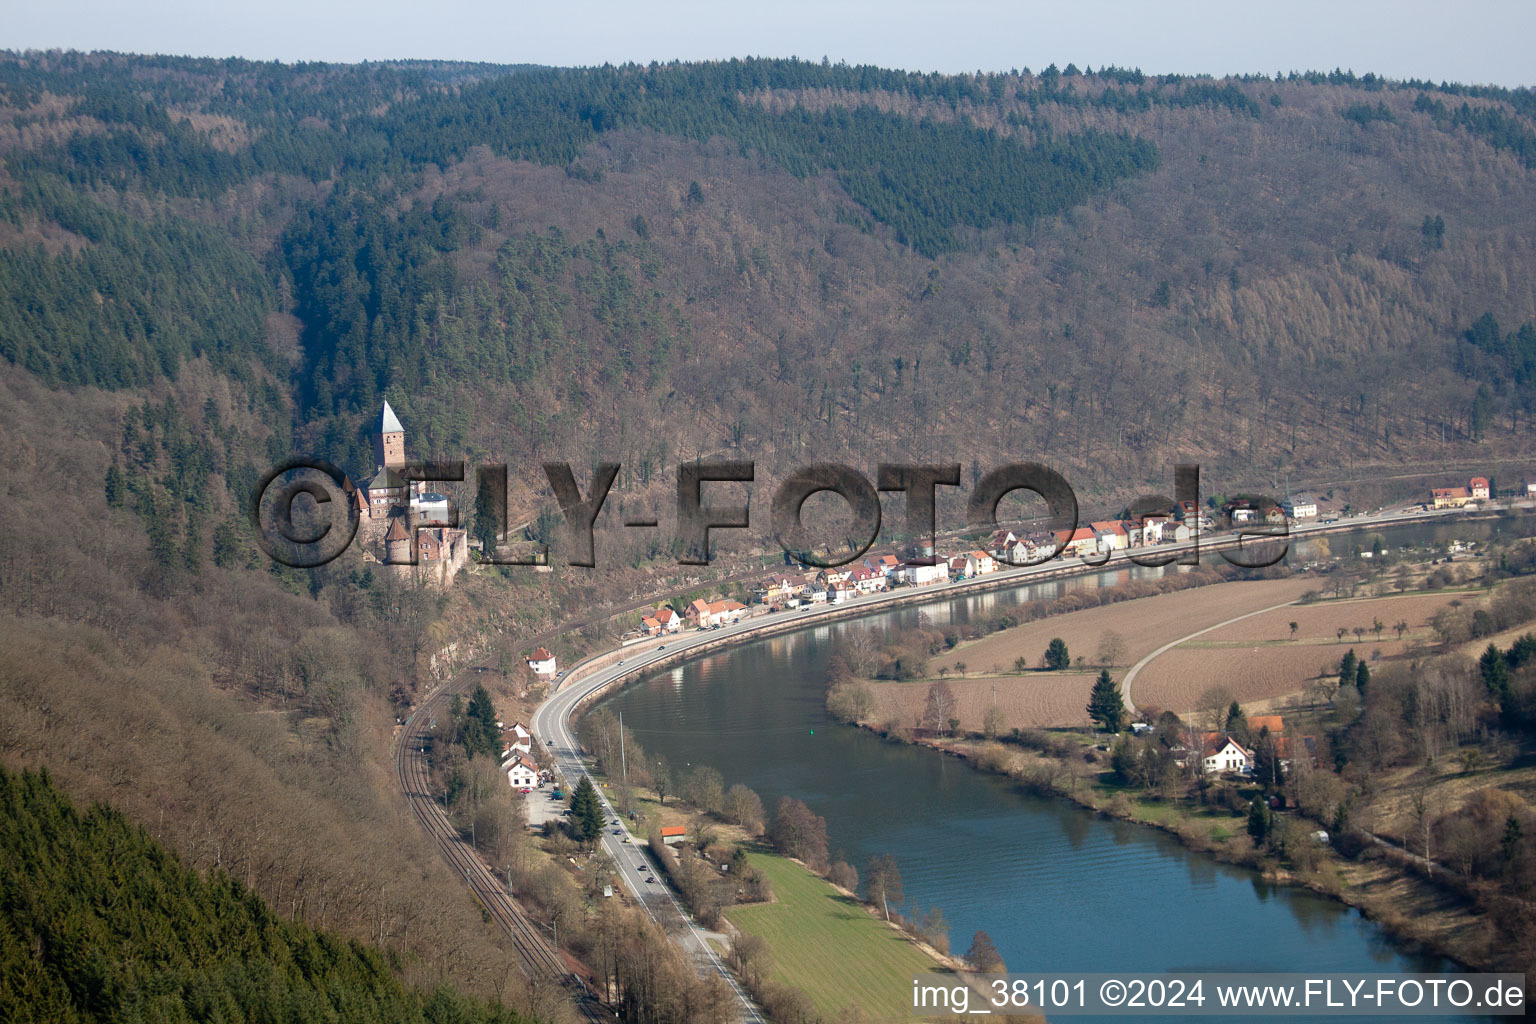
[1255,660]
[1145,623]
[1318,622]
[1029,701]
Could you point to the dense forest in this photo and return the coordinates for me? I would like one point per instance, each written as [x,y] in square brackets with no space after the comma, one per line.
[100,923]
[208,266]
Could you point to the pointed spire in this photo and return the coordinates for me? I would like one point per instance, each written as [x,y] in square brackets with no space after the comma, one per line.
[396,531]
[389,423]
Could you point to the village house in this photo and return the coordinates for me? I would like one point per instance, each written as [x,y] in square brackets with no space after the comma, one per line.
[836,574]
[1530,488]
[1478,485]
[521,774]
[841,591]
[1080,543]
[1240,512]
[779,588]
[1111,535]
[516,739]
[922,575]
[1450,497]
[1224,754]
[867,581]
[1152,529]
[979,563]
[704,614]
[542,663]
[673,834]
[1301,506]
[1013,552]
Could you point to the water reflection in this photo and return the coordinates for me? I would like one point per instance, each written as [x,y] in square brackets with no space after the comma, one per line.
[1056,887]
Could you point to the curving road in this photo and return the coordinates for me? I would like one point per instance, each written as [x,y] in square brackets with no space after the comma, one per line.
[551,723]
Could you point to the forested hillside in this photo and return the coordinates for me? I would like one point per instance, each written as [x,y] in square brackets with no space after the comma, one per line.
[208,266]
[102,924]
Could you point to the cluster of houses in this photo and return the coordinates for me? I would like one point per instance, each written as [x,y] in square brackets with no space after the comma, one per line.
[1002,551]
[1477,489]
[523,773]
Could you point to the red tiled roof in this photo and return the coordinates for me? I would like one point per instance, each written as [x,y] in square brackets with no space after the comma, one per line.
[542,654]
[673,830]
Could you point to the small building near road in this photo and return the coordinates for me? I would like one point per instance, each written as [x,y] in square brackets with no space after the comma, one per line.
[673,834]
[521,774]
[1478,485]
[1224,754]
[1301,506]
[542,662]
[1451,497]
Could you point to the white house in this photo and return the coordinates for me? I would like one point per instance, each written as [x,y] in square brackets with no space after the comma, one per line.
[542,662]
[919,575]
[1301,506]
[1224,754]
[867,581]
[521,774]
[1478,485]
[517,739]
[979,563]
[1015,552]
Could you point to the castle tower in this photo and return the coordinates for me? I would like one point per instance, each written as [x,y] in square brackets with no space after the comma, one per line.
[397,543]
[389,441]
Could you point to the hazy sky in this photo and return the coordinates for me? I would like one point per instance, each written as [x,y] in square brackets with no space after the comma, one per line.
[1485,41]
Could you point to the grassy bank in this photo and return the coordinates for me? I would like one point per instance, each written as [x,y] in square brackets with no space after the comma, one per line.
[829,946]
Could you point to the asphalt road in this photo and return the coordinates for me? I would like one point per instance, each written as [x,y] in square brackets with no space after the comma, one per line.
[551,722]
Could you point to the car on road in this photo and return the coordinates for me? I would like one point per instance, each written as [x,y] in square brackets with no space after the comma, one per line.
[650,880]
[621,661]
[662,647]
[618,831]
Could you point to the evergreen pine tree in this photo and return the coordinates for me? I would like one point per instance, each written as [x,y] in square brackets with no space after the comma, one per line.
[1105,705]
[1348,667]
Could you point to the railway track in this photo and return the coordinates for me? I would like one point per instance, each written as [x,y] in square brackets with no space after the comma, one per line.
[538,958]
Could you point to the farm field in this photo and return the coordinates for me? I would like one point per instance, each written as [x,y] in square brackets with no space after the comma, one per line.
[1033,700]
[1257,660]
[830,947]
[1145,624]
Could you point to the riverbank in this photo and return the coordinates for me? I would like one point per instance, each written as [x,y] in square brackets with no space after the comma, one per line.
[1423,915]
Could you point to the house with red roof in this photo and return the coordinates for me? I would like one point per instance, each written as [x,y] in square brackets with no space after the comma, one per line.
[542,662]
[1478,485]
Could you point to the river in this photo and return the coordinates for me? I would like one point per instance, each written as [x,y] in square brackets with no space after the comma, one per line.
[1056,887]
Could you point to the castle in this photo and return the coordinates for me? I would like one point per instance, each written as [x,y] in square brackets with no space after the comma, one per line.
[412,520]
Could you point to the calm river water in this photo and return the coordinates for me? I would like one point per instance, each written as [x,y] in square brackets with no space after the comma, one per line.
[1056,887]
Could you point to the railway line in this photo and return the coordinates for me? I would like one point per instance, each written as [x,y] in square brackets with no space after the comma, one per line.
[538,958]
